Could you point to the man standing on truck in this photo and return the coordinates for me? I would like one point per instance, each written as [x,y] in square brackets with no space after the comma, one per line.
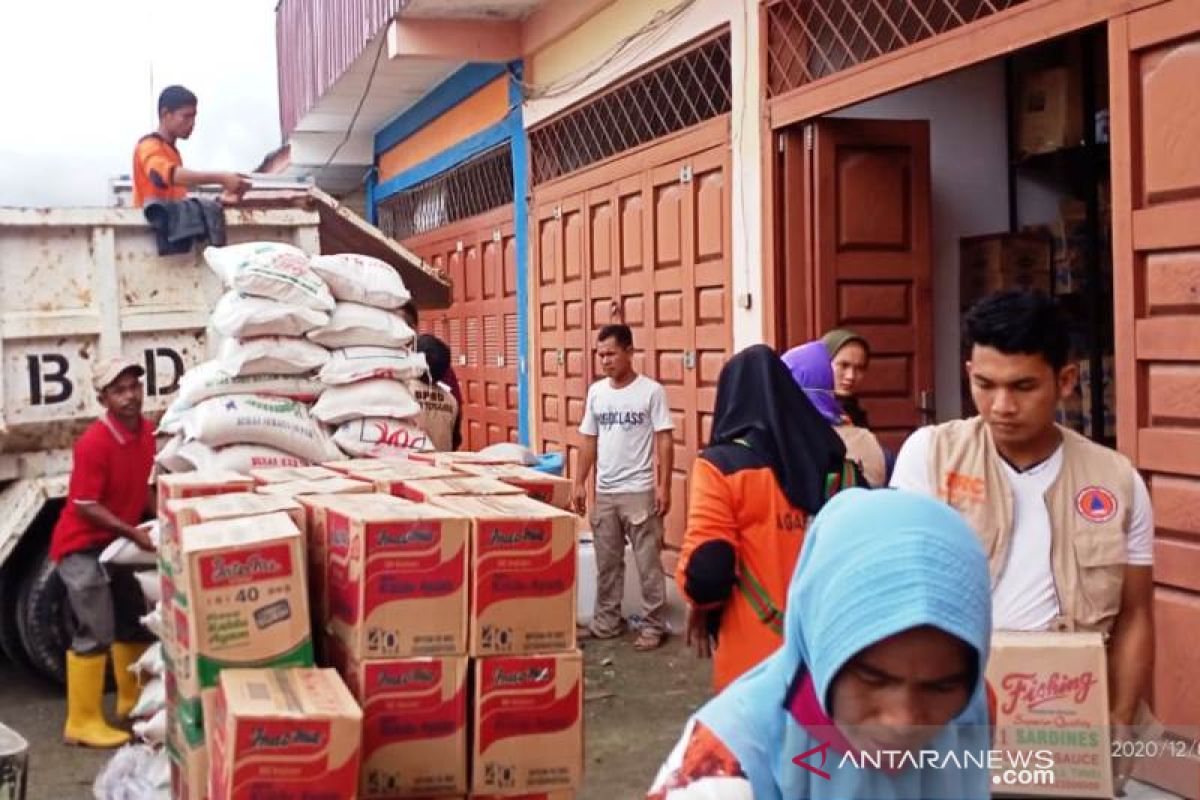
[1068,523]
[109,494]
[158,171]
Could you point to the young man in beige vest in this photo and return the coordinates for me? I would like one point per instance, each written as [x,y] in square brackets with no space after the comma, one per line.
[1067,524]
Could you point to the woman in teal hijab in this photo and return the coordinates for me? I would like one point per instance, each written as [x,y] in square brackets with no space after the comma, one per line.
[886,640]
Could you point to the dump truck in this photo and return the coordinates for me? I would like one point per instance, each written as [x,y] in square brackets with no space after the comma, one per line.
[81,284]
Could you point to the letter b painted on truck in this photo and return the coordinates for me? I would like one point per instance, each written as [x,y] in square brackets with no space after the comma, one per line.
[48,379]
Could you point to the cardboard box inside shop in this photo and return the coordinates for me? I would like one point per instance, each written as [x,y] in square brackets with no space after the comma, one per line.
[425,490]
[396,576]
[527,732]
[287,734]
[414,723]
[289,474]
[1052,695]
[523,574]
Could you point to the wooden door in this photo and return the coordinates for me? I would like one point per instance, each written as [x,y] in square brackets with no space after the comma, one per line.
[1154,64]
[480,326]
[654,243]
[866,189]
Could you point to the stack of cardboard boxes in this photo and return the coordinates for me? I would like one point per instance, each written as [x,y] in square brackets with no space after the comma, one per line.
[451,623]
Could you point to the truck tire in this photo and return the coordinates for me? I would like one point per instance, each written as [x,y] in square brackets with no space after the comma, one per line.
[43,619]
[10,636]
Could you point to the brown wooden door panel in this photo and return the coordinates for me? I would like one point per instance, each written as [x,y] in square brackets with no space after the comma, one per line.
[655,250]
[868,187]
[1154,63]
[479,254]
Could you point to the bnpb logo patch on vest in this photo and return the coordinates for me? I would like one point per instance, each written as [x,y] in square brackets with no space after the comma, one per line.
[1096,504]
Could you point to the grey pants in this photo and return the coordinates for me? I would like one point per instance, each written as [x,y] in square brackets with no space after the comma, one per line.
[107,604]
[617,518]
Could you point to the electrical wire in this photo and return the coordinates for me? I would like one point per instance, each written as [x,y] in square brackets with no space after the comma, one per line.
[568,84]
[357,110]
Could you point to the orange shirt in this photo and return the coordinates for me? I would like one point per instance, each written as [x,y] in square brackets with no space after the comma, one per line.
[154,164]
[738,500]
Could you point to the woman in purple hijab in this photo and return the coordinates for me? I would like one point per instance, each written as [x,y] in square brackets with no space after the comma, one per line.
[813,373]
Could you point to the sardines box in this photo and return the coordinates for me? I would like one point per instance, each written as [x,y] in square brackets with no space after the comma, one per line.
[460,457]
[527,728]
[396,576]
[200,484]
[1052,703]
[336,485]
[547,488]
[284,734]
[247,605]
[522,575]
[288,474]
[424,490]
[355,465]
[414,724]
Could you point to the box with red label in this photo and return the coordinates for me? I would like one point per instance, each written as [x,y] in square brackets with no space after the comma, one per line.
[423,490]
[200,484]
[396,576]
[527,728]
[286,734]
[547,488]
[391,478]
[355,465]
[414,724]
[246,605]
[462,457]
[1051,694]
[523,566]
[289,474]
[339,484]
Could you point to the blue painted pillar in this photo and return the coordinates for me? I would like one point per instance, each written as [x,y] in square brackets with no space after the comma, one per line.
[520,169]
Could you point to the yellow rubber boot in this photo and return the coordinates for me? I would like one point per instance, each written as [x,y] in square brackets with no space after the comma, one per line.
[86,725]
[124,656]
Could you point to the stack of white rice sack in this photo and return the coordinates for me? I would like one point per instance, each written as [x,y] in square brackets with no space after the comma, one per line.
[366,399]
[249,407]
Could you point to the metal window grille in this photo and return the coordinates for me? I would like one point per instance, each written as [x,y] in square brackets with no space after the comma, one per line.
[472,187]
[809,40]
[692,87]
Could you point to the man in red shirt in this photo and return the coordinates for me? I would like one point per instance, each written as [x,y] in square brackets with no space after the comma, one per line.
[109,495]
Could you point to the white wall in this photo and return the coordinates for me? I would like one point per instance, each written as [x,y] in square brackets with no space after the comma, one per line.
[968,159]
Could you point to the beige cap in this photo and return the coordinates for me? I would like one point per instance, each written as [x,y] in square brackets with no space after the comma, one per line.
[109,369]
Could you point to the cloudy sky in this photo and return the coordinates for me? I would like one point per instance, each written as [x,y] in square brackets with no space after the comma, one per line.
[79,80]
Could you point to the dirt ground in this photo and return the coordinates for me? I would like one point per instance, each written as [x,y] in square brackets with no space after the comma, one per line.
[634,708]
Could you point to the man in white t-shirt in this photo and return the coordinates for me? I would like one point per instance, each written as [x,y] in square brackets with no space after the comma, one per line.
[627,437]
[1067,523]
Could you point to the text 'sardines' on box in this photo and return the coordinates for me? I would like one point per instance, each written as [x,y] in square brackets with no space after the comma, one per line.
[523,569]
[284,734]
[396,576]
[528,734]
[1051,694]
[414,724]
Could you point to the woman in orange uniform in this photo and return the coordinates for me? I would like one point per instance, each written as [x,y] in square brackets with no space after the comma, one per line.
[771,464]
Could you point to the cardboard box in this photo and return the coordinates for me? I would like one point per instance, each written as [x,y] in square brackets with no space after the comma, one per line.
[390,480]
[564,794]
[284,734]
[527,729]
[423,490]
[459,457]
[201,484]
[189,770]
[246,605]
[523,566]
[337,485]
[541,486]
[396,576]
[289,474]
[356,465]
[414,724]
[1052,695]
[1049,111]
[1000,261]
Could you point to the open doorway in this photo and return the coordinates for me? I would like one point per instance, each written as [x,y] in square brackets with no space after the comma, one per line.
[1017,195]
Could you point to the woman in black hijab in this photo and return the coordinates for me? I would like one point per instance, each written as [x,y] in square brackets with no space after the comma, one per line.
[772,462]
